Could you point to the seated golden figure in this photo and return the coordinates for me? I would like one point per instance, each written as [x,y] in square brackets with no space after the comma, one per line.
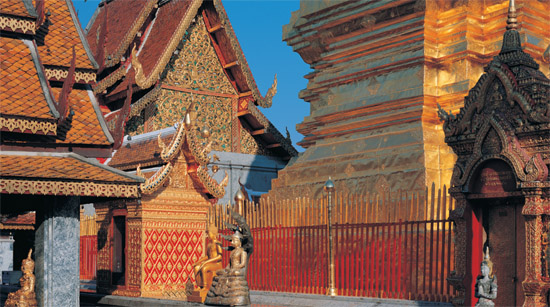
[205,268]
[24,297]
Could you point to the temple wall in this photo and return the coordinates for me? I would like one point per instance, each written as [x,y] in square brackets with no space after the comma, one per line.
[379,71]
[173,239]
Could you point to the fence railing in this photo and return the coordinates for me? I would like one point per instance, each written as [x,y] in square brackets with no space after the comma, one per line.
[88,257]
[395,245]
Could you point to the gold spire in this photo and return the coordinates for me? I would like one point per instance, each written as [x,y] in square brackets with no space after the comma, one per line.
[512,22]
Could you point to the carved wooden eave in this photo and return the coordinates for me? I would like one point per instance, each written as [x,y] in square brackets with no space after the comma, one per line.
[240,66]
[261,127]
[17,24]
[111,79]
[185,143]
[57,174]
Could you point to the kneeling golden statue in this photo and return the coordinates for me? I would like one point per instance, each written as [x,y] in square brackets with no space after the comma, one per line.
[24,297]
[205,268]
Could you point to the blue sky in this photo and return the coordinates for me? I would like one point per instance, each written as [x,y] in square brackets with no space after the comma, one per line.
[258,26]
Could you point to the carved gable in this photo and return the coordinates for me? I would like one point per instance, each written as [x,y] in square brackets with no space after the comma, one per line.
[509,106]
[195,75]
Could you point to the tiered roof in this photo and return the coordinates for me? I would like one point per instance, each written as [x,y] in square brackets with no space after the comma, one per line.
[154,31]
[51,124]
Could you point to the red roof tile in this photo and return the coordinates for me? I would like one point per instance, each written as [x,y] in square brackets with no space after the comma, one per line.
[84,127]
[28,218]
[62,36]
[17,8]
[56,168]
[169,17]
[121,28]
[21,92]
[146,153]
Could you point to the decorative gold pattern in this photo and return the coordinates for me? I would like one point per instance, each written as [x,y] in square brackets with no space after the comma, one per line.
[153,183]
[39,187]
[147,81]
[79,76]
[144,101]
[110,80]
[197,65]
[250,146]
[216,189]
[168,153]
[21,125]
[212,111]
[134,254]
[15,23]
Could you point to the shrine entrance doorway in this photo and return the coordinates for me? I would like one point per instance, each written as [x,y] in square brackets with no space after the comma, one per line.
[503,231]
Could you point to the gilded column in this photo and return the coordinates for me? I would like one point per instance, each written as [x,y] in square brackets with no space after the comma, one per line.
[135,228]
[103,247]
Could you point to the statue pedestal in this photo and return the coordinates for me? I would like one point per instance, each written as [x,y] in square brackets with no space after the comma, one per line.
[197,296]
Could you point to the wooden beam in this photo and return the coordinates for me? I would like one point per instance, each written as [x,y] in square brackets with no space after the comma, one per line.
[258,132]
[215,28]
[273,146]
[249,93]
[229,65]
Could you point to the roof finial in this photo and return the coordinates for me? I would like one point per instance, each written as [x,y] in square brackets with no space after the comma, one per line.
[512,22]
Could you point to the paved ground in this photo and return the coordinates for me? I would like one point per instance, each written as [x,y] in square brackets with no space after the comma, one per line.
[258,298]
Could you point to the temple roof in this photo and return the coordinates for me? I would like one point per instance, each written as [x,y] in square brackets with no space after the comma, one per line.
[122,28]
[62,174]
[23,221]
[24,91]
[161,35]
[142,150]
[51,128]
[21,8]
[140,41]
[64,32]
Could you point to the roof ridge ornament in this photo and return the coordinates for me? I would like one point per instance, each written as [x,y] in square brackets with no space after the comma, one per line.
[512,40]
[512,22]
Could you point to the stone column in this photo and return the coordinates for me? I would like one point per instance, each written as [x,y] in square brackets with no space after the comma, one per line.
[57,255]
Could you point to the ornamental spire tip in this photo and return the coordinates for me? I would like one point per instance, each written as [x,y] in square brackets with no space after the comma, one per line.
[512,22]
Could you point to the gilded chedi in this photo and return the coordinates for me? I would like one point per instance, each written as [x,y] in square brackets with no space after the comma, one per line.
[379,69]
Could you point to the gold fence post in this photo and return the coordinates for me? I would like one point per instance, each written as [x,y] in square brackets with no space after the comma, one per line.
[329,188]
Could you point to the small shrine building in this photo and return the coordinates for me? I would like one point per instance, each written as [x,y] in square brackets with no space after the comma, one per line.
[52,131]
[500,179]
[173,73]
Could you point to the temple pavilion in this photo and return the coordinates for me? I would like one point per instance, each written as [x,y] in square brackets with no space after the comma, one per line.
[173,75]
[52,131]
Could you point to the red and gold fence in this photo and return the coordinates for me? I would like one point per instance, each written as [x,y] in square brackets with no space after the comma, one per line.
[396,245]
[88,247]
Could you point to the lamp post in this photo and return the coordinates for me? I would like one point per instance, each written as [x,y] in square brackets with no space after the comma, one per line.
[329,188]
